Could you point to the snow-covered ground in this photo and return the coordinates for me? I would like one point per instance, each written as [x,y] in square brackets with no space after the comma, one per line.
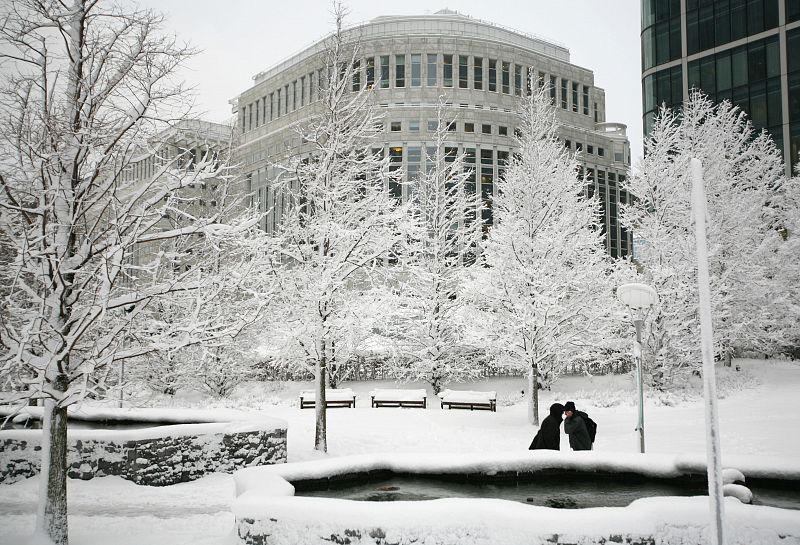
[759,416]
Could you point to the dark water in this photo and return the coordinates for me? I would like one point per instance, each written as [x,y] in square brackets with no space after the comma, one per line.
[35,424]
[550,492]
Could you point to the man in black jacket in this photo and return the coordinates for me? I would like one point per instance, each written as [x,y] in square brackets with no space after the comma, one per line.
[575,427]
[549,434]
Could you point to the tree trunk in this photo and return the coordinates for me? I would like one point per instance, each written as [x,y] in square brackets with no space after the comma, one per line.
[52,513]
[320,436]
[533,401]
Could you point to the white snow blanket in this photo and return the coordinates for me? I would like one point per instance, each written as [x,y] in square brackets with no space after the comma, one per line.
[266,506]
[398,394]
[333,394]
[468,396]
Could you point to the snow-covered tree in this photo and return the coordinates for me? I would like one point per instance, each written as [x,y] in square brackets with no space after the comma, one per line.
[544,286]
[84,84]
[743,174]
[341,221]
[446,231]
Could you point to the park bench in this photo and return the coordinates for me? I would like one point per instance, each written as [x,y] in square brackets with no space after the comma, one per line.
[469,399]
[399,398]
[340,397]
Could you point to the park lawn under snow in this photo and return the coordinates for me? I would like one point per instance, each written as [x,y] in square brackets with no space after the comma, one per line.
[758,429]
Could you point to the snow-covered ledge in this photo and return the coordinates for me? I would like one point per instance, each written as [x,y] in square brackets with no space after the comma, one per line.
[268,513]
[205,442]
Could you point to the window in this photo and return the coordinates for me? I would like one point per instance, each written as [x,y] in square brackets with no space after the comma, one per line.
[553,90]
[477,73]
[579,147]
[585,100]
[279,103]
[567,144]
[574,97]
[447,70]
[469,127]
[590,149]
[356,76]
[486,129]
[294,95]
[303,91]
[432,124]
[370,72]
[601,152]
[563,94]
[463,71]
[518,80]
[451,126]
[395,126]
[432,70]
[502,130]
[399,70]
[286,99]
[395,163]
[414,159]
[492,75]
[413,125]
[416,70]
[384,71]
[506,77]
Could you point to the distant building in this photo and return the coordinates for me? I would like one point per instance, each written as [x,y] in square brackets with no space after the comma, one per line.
[181,146]
[746,51]
[481,68]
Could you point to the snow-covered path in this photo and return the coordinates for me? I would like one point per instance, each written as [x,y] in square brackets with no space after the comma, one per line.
[762,420]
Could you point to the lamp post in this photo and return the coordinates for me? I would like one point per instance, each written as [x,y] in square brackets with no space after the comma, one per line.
[638,298]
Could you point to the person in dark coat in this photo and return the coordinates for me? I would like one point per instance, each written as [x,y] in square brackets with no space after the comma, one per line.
[576,428]
[549,434]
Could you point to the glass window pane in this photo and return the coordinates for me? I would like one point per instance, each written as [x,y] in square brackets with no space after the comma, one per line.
[738,19]
[400,71]
[477,76]
[447,72]
[416,70]
[773,58]
[739,67]
[463,71]
[757,62]
[723,71]
[432,70]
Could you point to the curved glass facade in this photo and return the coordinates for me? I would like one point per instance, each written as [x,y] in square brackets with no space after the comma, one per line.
[723,59]
[712,23]
[661,32]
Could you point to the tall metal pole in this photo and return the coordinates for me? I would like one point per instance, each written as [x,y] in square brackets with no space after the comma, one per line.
[637,356]
[713,453]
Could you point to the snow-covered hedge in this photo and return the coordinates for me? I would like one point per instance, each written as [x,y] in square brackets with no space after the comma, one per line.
[267,513]
[161,455]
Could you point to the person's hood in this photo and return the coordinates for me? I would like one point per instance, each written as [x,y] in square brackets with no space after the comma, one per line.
[556,410]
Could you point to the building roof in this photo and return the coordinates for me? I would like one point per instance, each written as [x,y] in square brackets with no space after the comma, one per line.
[445,22]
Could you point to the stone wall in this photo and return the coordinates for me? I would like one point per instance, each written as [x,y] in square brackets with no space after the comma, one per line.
[167,458]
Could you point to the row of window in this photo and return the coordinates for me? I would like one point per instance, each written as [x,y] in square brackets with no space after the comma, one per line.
[483,166]
[589,149]
[432,125]
[709,23]
[438,70]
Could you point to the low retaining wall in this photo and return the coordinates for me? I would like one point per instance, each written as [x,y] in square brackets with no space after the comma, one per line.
[268,513]
[158,456]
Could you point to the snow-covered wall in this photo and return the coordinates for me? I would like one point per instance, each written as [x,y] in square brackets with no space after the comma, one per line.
[157,456]
[268,513]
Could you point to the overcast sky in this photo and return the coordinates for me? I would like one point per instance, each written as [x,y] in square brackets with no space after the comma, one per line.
[240,38]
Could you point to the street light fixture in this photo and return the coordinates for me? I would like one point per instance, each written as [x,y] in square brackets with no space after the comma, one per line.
[639,298]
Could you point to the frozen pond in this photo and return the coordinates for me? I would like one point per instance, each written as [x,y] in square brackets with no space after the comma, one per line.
[565,492]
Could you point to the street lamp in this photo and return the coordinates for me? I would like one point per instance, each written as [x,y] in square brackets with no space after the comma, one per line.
[638,298]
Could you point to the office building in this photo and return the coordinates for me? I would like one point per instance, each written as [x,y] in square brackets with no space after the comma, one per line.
[482,69]
[745,51]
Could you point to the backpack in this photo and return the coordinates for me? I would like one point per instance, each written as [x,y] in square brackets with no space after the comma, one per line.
[591,425]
